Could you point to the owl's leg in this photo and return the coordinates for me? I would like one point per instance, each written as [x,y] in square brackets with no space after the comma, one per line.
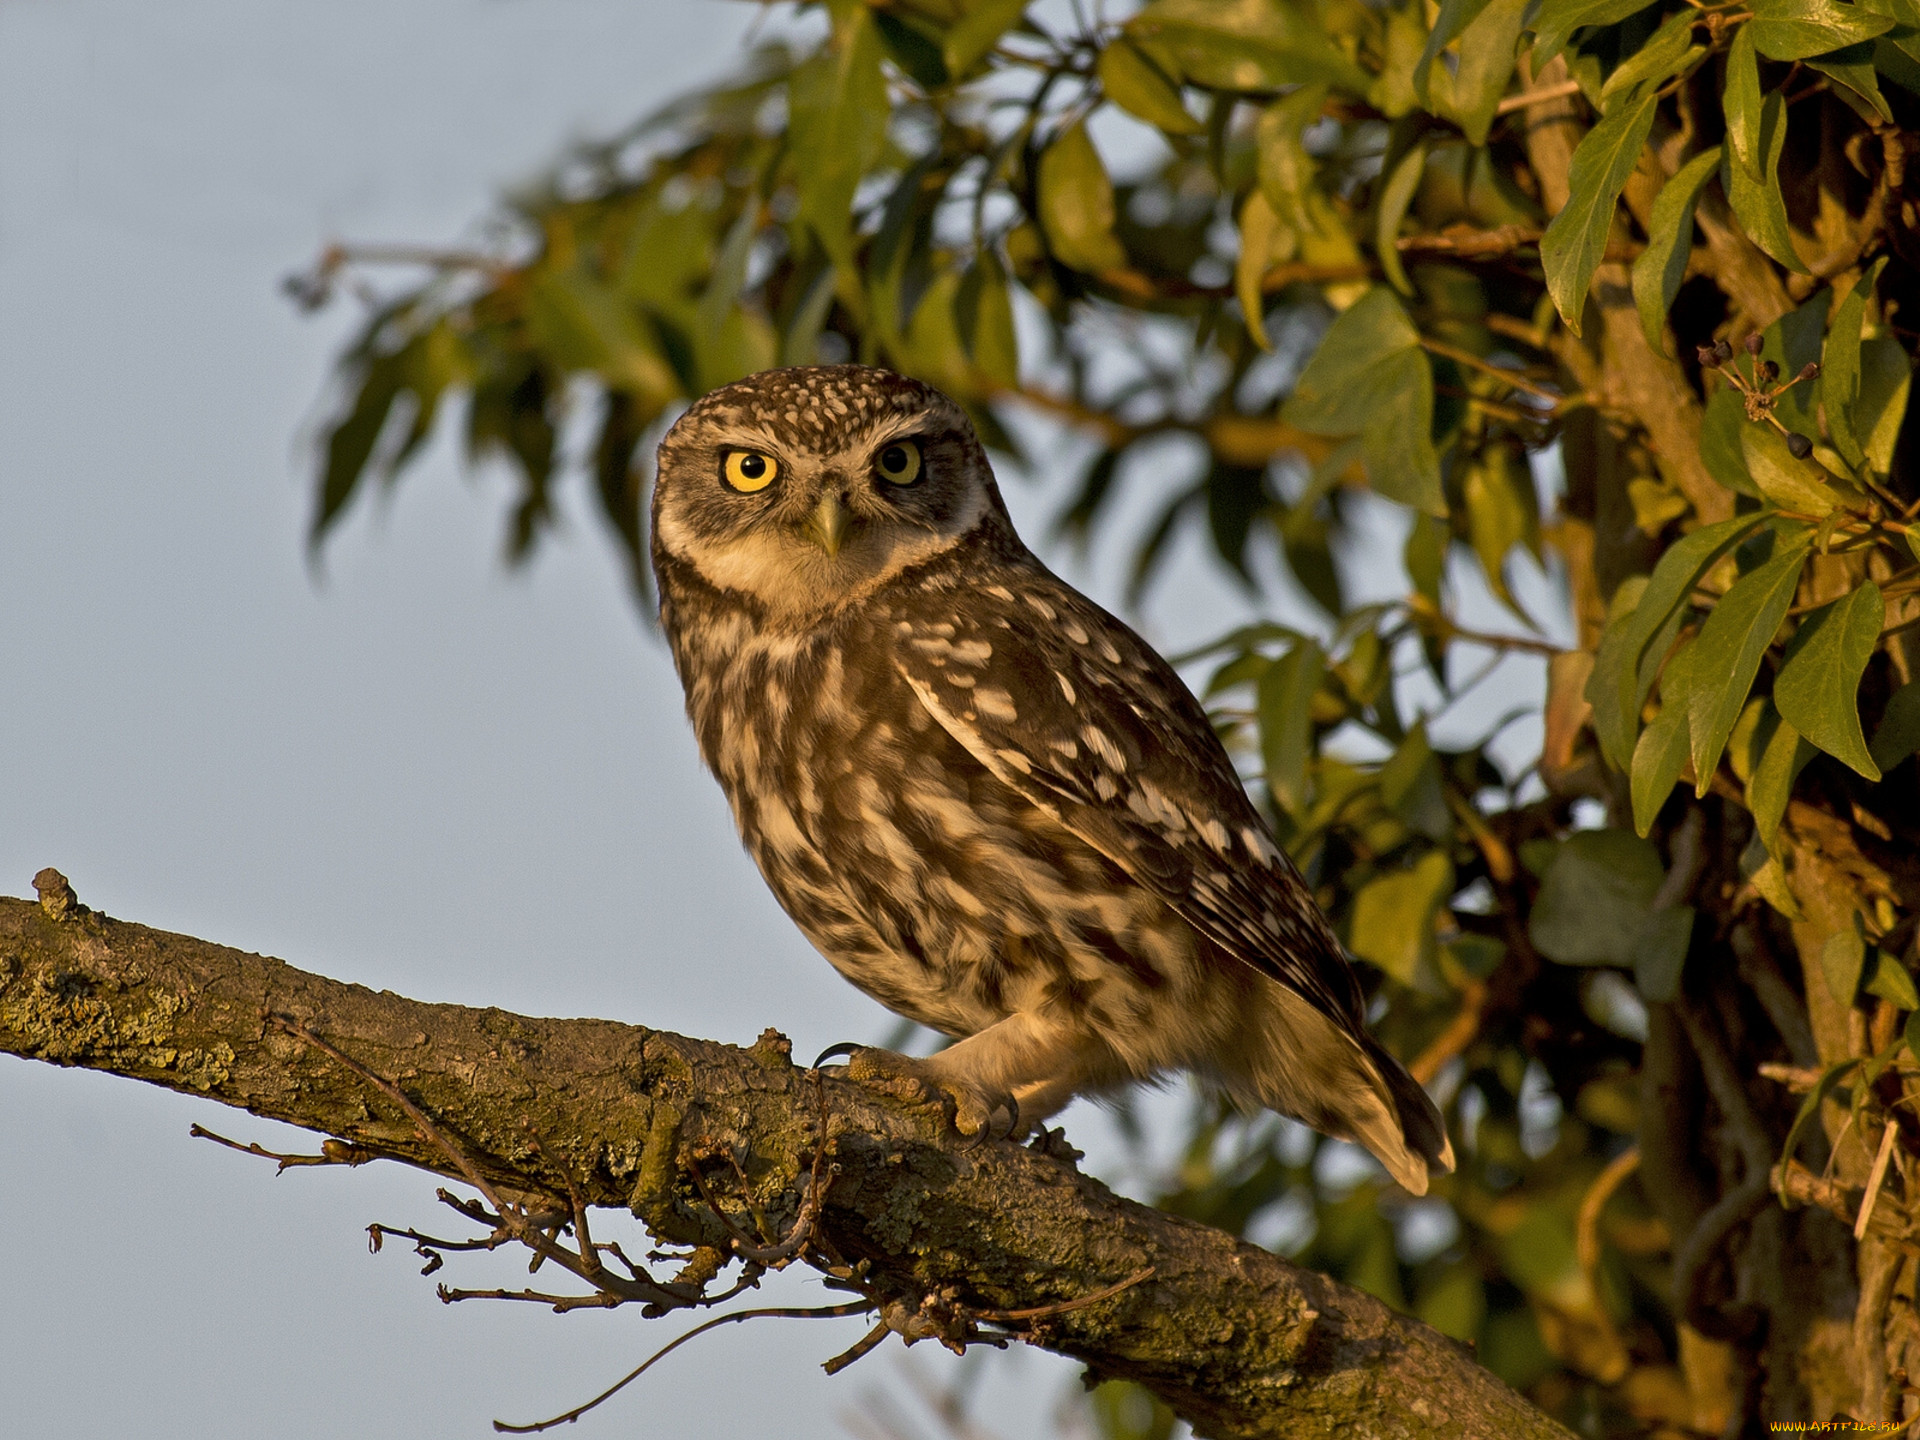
[1027,1065]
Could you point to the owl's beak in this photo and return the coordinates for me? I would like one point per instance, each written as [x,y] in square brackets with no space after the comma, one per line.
[827,526]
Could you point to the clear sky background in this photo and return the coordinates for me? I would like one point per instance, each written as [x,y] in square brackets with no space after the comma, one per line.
[419,772]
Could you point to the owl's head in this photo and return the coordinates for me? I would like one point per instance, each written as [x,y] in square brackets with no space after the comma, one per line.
[809,487]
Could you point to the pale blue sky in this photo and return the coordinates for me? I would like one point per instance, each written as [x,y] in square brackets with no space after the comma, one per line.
[423,773]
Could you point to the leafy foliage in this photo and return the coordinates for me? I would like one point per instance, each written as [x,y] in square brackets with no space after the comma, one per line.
[1307,235]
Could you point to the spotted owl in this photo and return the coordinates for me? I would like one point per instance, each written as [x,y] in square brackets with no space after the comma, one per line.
[985,800]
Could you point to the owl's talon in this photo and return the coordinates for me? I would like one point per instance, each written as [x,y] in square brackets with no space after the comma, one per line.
[969,1110]
[838,1051]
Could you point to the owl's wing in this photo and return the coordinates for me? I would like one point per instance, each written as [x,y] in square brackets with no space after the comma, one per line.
[1065,704]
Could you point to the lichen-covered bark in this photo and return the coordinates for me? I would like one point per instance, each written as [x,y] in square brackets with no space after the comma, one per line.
[1233,1338]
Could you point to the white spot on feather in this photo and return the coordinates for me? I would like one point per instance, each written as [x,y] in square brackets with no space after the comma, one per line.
[1101,745]
[1066,688]
[996,704]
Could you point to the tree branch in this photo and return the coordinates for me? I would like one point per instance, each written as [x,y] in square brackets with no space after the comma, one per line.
[1235,1339]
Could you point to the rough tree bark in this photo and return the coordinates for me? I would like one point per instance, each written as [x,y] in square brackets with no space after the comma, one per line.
[1233,1338]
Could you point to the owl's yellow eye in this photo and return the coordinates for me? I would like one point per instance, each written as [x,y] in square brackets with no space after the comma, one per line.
[899,463]
[749,470]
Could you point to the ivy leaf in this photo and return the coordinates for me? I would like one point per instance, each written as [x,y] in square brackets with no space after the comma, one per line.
[1661,267]
[1818,687]
[1740,100]
[1797,29]
[1574,242]
[977,32]
[1411,786]
[1286,694]
[1076,204]
[1886,377]
[1486,64]
[1890,980]
[1598,889]
[837,103]
[1840,364]
[1283,165]
[1454,17]
[983,312]
[351,442]
[1800,486]
[1558,19]
[1634,644]
[1396,193]
[1247,44]
[1783,755]
[1142,89]
[1503,510]
[1393,914]
[1853,69]
[1666,51]
[1753,187]
[1899,732]
[1370,378]
[1661,752]
[1722,422]
[1727,652]
[1263,238]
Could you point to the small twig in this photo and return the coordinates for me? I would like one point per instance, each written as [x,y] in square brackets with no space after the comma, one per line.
[1586,1243]
[1040,1312]
[599,1300]
[852,1307]
[1876,1177]
[1485,367]
[332,1152]
[1537,97]
[861,1347]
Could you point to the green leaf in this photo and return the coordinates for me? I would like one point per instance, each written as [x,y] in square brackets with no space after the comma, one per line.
[1666,51]
[1886,376]
[1571,249]
[1610,683]
[1659,756]
[1076,204]
[351,441]
[1905,34]
[1795,485]
[1753,189]
[1783,754]
[1818,687]
[1283,165]
[1660,952]
[1486,64]
[838,109]
[1661,267]
[1247,44]
[1503,510]
[1262,239]
[1393,915]
[800,344]
[1624,670]
[1899,732]
[1727,652]
[1454,17]
[977,32]
[1721,424]
[1797,29]
[1840,364]
[1411,786]
[914,46]
[1853,68]
[1286,694]
[1740,99]
[983,311]
[1393,93]
[1598,889]
[1145,91]
[1396,193]
[1558,19]
[1370,378]
[1890,980]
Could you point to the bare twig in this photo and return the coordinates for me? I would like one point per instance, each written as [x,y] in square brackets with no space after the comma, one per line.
[332,1152]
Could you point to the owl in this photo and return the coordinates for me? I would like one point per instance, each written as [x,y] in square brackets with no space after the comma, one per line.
[985,800]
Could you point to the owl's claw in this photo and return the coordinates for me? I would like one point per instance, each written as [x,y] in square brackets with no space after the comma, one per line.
[971,1109]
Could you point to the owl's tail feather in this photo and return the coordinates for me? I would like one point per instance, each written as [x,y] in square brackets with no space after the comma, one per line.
[1411,1141]
[1342,1083]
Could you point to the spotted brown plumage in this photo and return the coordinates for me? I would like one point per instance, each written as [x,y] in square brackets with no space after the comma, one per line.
[985,800]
